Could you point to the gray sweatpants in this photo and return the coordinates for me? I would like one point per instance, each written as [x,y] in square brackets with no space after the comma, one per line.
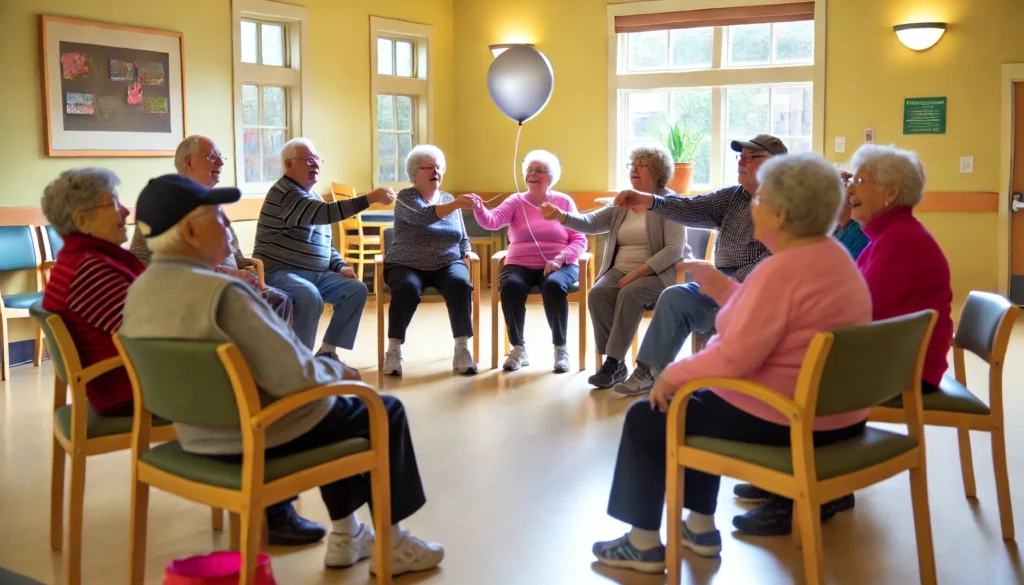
[616,312]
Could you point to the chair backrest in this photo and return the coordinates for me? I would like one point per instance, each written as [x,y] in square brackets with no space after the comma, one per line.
[341,192]
[983,318]
[182,380]
[18,248]
[49,322]
[389,236]
[872,363]
[53,241]
[473,228]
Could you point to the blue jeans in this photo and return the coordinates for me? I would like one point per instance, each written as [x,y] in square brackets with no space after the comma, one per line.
[309,291]
[681,309]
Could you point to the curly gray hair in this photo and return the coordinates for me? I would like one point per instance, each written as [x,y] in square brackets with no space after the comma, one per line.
[806,188]
[74,190]
[547,159]
[893,167]
[420,153]
[658,160]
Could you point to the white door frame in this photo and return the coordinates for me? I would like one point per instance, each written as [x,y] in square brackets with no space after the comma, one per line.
[1012,73]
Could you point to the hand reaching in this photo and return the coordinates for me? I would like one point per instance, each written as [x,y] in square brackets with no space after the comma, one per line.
[661,395]
[478,202]
[630,198]
[466,201]
[549,211]
[712,282]
[383,196]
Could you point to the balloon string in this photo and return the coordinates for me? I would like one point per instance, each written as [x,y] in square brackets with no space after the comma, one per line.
[515,157]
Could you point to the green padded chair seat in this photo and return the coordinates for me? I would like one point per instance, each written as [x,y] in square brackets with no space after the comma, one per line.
[99,425]
[22,301]
[170,457]
[871,447]
[951,397]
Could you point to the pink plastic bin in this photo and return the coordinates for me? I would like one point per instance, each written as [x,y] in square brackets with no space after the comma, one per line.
[219,568]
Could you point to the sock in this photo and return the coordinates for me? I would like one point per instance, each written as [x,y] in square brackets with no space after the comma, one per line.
[348,525]
[461,342]
[394,345]
[700,523]
[327,347]
[396,535]
[644,539]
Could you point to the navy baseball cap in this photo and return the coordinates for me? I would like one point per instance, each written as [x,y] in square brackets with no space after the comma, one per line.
[167,199]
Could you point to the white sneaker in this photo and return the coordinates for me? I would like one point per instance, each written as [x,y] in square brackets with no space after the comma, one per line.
[516,359]
[561,360]
[393,362]
[463,361]
[411,554]
[345,550]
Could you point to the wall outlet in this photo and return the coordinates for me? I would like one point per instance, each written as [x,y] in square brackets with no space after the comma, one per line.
[840,144]
[966,164]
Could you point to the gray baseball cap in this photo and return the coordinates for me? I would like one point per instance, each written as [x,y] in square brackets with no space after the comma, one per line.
[761,142]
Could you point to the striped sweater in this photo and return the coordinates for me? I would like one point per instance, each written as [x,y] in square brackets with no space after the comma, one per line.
[294,228]
[87,288]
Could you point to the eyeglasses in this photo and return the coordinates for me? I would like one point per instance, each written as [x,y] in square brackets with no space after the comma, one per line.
[115,203]
[310,160]
[537,171]
[431,168]
[858,181]
[215,157]
[637,166]
[750,157]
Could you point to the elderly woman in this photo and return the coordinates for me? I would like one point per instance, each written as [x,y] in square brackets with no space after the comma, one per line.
[88,284]
[765,326]
[429,247]
[639,260]
[905,270]
[541,253]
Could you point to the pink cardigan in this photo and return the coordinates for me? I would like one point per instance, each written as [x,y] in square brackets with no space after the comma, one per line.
[766,324]
[554,241]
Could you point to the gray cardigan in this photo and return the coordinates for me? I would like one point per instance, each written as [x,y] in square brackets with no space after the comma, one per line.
[665,239]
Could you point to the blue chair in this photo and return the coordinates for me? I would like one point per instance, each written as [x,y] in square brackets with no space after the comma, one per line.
[19,250]
[52,241]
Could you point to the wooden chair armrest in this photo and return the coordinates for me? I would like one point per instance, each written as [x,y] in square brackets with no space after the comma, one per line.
[99,368]
[45,269]
[260,273]
[278,409]
[472,256]
[784,406]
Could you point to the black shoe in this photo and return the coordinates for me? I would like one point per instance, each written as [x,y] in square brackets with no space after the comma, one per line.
[612,372]
[834,507]
[775,516]
[286,528]
[746,492]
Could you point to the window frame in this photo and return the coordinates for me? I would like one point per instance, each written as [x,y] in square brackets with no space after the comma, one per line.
[420,86]
[620,81]
[292,76]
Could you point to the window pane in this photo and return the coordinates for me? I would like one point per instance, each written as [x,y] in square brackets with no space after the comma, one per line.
[272,44]
[250,105]
[274,107]
[799,145]
[249,54]
[794,42]
[251,151]
[385,112]
[386,158]
[691,47]
[693,108]
[384,57]
[273,142]
[403,58]
[791,111]
[404,113]
[647,113]
[702,166]
[404,146]
[746,111]
[648,50]
[749,44]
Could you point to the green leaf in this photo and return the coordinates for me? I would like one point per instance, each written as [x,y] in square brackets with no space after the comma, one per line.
[682,143]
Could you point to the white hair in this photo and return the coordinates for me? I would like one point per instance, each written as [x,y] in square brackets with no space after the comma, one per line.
[73,190]
[186,148]
[421,152]
[174,238]
[893,167]
[806,187]
[547,159]
[291,147]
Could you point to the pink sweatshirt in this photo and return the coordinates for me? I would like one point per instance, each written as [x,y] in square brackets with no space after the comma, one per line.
[553,241]
[766,324]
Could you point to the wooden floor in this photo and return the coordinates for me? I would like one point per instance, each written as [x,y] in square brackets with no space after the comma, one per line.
[517,469]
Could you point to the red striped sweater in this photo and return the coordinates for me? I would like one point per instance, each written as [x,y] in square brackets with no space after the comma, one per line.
[87,288]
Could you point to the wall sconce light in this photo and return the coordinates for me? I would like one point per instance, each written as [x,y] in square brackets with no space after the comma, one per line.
[919,35]
[501,48]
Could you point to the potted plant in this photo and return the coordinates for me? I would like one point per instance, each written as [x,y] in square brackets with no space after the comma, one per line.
[682,142]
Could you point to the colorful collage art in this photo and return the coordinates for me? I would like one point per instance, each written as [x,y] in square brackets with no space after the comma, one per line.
[135,75]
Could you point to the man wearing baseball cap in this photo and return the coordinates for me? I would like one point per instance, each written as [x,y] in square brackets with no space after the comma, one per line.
[181,296]
[682,309]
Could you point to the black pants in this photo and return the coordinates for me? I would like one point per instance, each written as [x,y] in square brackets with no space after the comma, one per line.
[638,488]
[348,419]
[515,284]
[407,286]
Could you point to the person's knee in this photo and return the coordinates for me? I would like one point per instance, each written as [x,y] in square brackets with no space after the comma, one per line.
[552,289]
[642,419]
[513,288]
[359,291]
[678,299]
[394,407]
[457,287]
[405,292]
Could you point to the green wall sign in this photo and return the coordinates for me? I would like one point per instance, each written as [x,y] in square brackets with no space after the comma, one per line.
[924,115]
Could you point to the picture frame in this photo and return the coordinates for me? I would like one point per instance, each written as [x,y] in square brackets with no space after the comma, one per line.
[111,90]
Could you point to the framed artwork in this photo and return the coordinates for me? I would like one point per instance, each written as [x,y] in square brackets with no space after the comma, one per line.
[111,90]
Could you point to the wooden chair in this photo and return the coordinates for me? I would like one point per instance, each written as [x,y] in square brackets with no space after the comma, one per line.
[844,370]
[986,323]
[356,247]
[52,242]
[577,294]
[19,250]
[430,295]
[209,384]
[79,433]
[485,243]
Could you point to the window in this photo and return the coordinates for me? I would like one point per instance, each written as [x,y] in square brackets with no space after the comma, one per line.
[269,87]
[402,89]
[725,82]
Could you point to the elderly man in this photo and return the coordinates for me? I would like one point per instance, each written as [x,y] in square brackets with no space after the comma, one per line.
[682,309]
[293,239]
[181,296]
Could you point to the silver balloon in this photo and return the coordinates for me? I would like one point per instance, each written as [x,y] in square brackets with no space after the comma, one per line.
[520,81]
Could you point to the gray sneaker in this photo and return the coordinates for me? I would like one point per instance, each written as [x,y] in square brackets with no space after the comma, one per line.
[561,359]
[463,361]
[516,359]
[641,381]
[393,363]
